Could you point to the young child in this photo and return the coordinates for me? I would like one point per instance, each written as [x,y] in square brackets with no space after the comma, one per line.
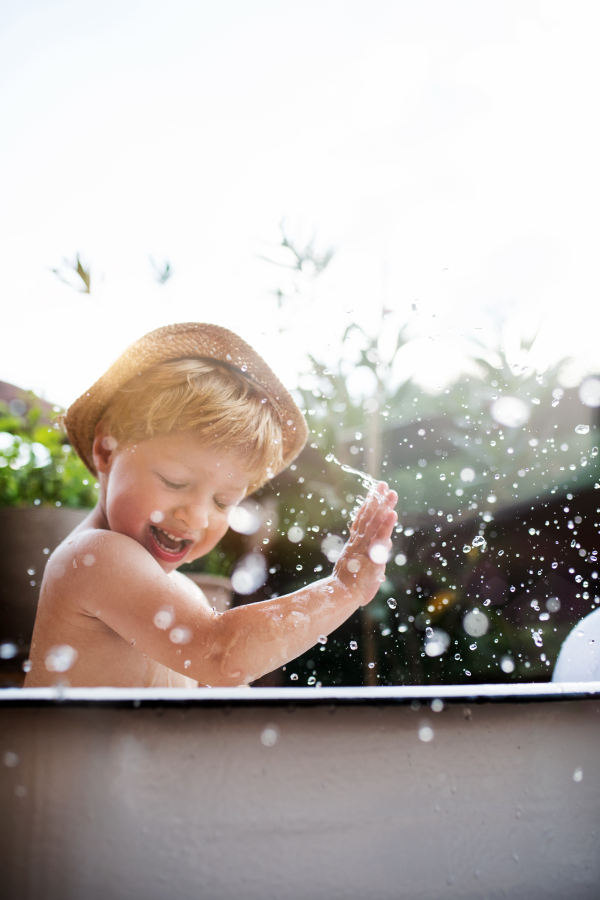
[179,430]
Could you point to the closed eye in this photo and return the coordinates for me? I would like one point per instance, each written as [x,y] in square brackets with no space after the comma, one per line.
[171,484]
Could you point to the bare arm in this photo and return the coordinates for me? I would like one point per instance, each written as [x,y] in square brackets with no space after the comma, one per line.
[131,594]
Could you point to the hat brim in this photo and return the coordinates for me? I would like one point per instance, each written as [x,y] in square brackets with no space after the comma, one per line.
[180,341]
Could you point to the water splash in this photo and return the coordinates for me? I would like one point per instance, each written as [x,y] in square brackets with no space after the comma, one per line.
[367,481]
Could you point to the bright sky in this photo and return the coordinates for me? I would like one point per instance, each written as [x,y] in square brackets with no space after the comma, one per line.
[447,150]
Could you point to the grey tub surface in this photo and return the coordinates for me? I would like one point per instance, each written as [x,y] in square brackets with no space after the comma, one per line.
[123,794]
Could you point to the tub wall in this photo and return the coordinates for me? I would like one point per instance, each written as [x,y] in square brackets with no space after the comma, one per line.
[187,802]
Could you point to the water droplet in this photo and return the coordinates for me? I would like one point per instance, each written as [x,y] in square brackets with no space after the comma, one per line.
[353,566]
[187,664]
[425,733]
[293,677]
[371,665]
[476,623]
[378,554]
[8,650]
[10,759]
[467,474]
[353,645]
[332,546]
[467,548]
[510,411]
[472,646]
[295,534]
[180,635]
[589,392]
[61,658]
[537,639]
[400,559]
[89,559]
[553,604]
[507,664]
[582,429]
[322,639]
[164,618]
[402,628]
[27,665]
[578,775]
[392,603]
[270,735]
[437,705]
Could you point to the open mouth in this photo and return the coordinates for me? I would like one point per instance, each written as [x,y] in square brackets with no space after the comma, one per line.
[169,543]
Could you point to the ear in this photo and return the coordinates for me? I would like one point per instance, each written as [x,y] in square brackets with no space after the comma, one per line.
[103,449]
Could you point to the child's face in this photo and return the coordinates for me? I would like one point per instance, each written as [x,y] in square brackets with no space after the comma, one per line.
[172,495]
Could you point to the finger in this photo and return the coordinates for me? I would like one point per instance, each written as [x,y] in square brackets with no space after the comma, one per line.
[385,527]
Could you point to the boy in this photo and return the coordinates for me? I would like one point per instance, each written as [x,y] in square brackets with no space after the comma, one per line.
[184,425]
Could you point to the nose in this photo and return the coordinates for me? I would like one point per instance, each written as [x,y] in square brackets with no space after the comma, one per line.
[194,515]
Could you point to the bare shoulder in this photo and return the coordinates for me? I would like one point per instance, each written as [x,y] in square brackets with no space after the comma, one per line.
[96,561]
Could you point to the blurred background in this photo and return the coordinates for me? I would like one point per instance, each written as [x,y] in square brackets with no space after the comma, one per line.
[395,203]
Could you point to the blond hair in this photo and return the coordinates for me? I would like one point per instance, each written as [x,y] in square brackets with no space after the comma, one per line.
[212,400]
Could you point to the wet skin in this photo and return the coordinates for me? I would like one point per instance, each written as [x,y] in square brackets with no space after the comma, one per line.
[164,502]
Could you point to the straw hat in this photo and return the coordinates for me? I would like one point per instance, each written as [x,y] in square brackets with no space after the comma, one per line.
[184,340]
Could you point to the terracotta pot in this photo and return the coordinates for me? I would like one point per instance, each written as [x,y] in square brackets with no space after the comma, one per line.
[24,534]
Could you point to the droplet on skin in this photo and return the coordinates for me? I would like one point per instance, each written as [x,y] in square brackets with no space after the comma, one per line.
[180,635]
[187,664]
[378,554]
[157,516]
[60,658]
[89,559]
[269,735]
[322,639]
[163,619]
[353,566]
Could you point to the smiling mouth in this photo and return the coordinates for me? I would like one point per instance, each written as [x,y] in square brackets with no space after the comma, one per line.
[168,542]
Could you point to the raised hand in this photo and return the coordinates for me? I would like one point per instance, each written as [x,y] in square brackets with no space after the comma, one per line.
[361,565]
